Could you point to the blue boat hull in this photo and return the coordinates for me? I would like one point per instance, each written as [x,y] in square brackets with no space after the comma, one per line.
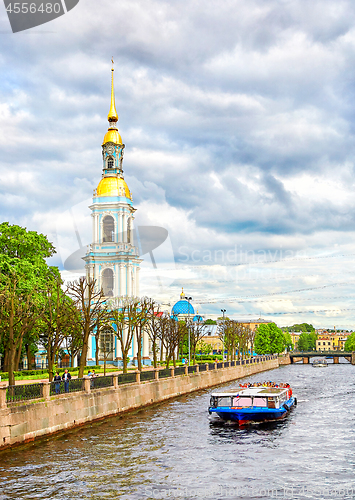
[254,414]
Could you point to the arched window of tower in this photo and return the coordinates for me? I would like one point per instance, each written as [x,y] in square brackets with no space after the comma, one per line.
[109,228]
[107,344]
[110,163]
[107,282]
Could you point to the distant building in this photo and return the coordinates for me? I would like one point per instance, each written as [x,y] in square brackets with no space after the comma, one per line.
[327,341]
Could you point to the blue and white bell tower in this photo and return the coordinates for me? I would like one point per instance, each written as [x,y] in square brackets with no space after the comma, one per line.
[112,259]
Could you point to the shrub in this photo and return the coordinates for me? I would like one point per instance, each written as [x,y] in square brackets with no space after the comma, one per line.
[209,357]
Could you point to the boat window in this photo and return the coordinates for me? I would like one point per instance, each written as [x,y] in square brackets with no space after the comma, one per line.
[214,401]
[271,403]
[262,402]
[242,401]
[224,401]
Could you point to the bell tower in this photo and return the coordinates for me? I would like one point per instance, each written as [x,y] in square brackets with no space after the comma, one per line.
[112,258]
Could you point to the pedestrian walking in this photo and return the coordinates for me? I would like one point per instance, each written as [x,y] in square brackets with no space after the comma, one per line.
[57,380]
[66,377]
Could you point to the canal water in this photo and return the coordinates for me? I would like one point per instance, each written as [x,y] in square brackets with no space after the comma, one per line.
[173,450]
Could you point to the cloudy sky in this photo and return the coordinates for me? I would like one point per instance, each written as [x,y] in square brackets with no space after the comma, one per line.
[238,119]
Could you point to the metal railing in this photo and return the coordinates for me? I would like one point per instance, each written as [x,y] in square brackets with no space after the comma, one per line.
[180,370]
[15,393]
[165,373]
[101,382]
[19,393]
[148,375]
[126,378]
[62,387]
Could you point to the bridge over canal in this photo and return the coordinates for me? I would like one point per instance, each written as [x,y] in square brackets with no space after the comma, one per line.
[335,355]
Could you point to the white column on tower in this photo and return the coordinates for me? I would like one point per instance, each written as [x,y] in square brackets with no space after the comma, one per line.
[129,280]
[137,280]
[116,280]
[145,345]
[122,290]
[120,232]
[93,218]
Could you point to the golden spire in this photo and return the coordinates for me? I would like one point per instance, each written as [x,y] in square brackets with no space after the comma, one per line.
[112,115]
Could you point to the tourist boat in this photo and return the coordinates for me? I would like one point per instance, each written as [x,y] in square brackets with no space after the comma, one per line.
[320,363]
[252,405]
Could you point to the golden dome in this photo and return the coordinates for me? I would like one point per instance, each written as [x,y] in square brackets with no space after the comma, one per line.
[113,186]
[112,135]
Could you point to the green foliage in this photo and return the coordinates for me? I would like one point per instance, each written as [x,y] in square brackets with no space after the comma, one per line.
[307,342]
[288,342]
[210,322]
[212,357]
[269,339]
[28,373]
[24,252]
[301,327]
[350,343]
[203,347]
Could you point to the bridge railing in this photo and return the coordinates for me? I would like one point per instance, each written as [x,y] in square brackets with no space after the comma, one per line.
[319,353]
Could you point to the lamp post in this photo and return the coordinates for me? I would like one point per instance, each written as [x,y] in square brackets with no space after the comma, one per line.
[188,324]
[223,311]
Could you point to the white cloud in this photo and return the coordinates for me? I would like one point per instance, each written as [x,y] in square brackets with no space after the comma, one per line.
[239,132]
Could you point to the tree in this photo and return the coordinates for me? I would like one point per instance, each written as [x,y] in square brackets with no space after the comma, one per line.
[197,330]
[210,322]
[153,331]
[172,333]
[143,310]
[90,303]
[23,275]
[122,320]
[269,339]
[235,336]
[307,342]
[203,347]
[350,343]
[74,339]
[288,341]
[300,327]
[19,312]
[60,319]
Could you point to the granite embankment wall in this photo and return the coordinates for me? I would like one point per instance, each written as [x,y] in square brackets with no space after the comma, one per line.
[26,421]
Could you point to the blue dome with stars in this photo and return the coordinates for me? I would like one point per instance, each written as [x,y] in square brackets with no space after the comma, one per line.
[182,306]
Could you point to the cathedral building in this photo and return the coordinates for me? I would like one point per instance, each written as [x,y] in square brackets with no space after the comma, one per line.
[112,258]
